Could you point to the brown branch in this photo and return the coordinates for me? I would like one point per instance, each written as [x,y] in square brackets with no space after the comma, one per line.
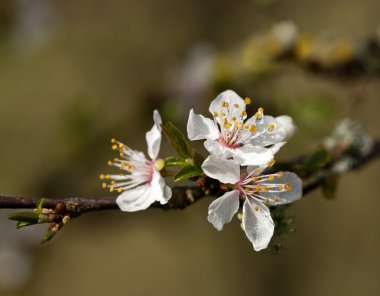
[183,196]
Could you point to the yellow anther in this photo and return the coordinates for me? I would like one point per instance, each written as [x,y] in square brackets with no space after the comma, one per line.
[257,171]
[266,188]
[257,115]
[111,189]
[254,179]
[243,113]
[276,199]
[238,124]
[114,147]
[108,177]
[281,187]
[261,110]
[271,127]
[130,166]
[247,101]
[115,159]
[109,162]
[223,114]
[258,188]
[233,118]
[271,178]
[120,190]
[113,141]
[121,145]
[252,128]
[236,106]
[280,174]
[272,162]
[225,104]
[215,114]
[122,154]
[246,126]
[288,186]
[256,208]
[104,185]
[113,182]
[102,177]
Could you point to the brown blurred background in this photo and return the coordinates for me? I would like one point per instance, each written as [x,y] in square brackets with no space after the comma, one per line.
[74,74]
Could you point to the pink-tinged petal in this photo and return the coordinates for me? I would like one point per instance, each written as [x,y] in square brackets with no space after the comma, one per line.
[252,155]
[285,197]
[130,200]
[224,170]
[223,209]
[288,125]
[257,224]
[199,127]
[217,149]
[154,136]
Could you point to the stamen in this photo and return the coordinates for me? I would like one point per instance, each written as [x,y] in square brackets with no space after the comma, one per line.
[253,128]
[247,101]
[270,127]
[271,178]
[272,162]
[280,175]
[215,114]
[236,106]
[288,186]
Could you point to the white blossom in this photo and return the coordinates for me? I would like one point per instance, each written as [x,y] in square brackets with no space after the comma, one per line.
[258,192]
[230,134]
[141,183]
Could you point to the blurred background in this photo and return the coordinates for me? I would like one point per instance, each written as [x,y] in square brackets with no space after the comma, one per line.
[73,74]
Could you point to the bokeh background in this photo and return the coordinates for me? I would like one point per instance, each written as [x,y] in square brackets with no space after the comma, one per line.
[73,74]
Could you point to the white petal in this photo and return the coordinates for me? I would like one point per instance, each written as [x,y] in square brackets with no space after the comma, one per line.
[224,170]
[153,137]
[257,169]
[162,191]
[263,137]
[276,147]
[288,125]
[217,149]
[130,200]
[257,224]
[231,98]
[287,196]
[223,209]
[199,127]
[157,119]
[252,155]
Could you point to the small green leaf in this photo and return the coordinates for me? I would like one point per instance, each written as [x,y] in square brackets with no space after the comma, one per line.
[177,139]
[30,217]
[175,161]
[39,205]
[48,236]
[314,161]
[187,172]
[330,186]
[21,224]
[198,158]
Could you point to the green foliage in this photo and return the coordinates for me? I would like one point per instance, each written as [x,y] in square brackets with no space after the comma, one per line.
[177,139]
[187,172]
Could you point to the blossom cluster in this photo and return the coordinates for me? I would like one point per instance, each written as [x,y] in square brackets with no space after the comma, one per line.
[241,149]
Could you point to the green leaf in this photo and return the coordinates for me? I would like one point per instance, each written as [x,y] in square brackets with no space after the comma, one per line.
[187,172]
[177,139]
[316,160]
[48,236]
[330,186]
[39,205]
[198,158]
[30,217]
[174,161]
[21,224]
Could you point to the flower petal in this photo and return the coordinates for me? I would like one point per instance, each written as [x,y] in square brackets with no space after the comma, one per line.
[257,223]
[252,155]
[130,200]
[199,127]
[269,132]
[162,192]
[223,209]
[288,125]
[287,196]
[215,148]
[224,170]
[230,97]
[153,137]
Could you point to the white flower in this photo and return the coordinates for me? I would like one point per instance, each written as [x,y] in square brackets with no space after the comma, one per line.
[250,142]
[141,184]
[258,191]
